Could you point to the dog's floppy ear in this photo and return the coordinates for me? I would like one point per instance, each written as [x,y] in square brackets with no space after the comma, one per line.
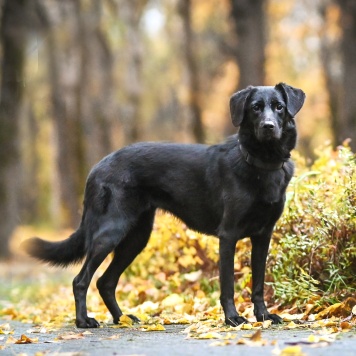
[237,105]
[294,98]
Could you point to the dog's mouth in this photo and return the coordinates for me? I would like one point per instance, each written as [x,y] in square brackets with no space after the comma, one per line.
[268,134]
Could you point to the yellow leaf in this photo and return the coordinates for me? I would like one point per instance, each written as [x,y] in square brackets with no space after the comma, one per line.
[156,327]
[291,325]
[125,321]
[209,335]
[292,351]
[182,321]
[172,300]
[6,329]
[246,327]
[229,336]
[267,324]
[241,342]
[186,261]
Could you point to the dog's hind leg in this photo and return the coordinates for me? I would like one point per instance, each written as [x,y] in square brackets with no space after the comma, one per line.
[112,229]
[134,242]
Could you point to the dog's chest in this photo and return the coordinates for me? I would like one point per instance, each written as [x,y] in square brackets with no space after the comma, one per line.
[270,190]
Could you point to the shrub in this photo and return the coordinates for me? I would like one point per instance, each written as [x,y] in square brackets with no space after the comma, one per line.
[313,251]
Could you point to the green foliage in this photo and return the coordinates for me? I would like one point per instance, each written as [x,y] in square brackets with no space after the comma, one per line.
[313,252]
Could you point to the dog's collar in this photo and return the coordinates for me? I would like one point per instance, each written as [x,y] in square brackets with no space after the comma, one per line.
[254,161]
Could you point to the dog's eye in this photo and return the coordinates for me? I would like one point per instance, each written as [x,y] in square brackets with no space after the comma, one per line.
[279,107]
[256,107]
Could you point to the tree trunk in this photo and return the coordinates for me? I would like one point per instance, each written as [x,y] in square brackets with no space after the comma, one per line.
[96,103]
[12,32]
[249,21]
[63,56]
[185,9]
[347,115]
[131,12]
[331,62]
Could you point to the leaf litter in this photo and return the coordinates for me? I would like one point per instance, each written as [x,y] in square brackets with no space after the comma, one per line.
[170,290]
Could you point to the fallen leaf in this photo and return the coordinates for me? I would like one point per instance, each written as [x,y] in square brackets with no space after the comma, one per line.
[267,324]
[37,330]
[345,326]
[256,336]
[338,309]
[292,351]
[125,321]
[221,343]
[208,335]
[291,325]
[70,336]
[25,340]
[246,327]
[112,337]
[172,301]
[252,343]
[87,333]
[6,329]
[155,327]
[11,340]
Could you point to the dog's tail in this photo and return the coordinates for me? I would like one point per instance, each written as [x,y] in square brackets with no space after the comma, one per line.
[61,253]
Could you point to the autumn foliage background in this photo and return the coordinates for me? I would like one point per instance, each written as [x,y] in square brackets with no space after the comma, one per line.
[83,78]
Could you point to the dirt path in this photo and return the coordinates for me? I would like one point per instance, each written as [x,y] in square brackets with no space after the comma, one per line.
[109,341]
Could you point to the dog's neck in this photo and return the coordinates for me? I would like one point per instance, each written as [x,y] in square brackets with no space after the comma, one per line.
[257,162]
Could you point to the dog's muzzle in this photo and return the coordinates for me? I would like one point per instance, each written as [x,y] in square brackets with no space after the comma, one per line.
[268,130]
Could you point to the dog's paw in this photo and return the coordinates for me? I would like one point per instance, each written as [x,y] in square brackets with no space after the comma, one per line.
[276,319]
[235,320]
[87,323]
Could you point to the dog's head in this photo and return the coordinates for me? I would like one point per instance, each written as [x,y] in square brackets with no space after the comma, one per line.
[268,109]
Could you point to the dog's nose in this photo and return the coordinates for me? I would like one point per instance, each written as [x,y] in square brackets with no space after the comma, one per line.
[268,125]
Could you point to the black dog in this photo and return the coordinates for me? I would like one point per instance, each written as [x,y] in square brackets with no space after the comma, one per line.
[232,190]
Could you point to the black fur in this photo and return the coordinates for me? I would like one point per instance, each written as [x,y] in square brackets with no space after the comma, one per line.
[231,190]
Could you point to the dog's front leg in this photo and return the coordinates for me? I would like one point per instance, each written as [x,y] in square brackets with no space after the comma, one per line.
[260,245]
[226,264]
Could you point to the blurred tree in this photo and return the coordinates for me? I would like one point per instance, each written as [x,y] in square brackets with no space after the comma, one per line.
[13,37]
[131,14]
[96,105]
[347,112]
[249,22]
[193,95]
[338,53]
[63,53]
[80,68]
[331,62]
